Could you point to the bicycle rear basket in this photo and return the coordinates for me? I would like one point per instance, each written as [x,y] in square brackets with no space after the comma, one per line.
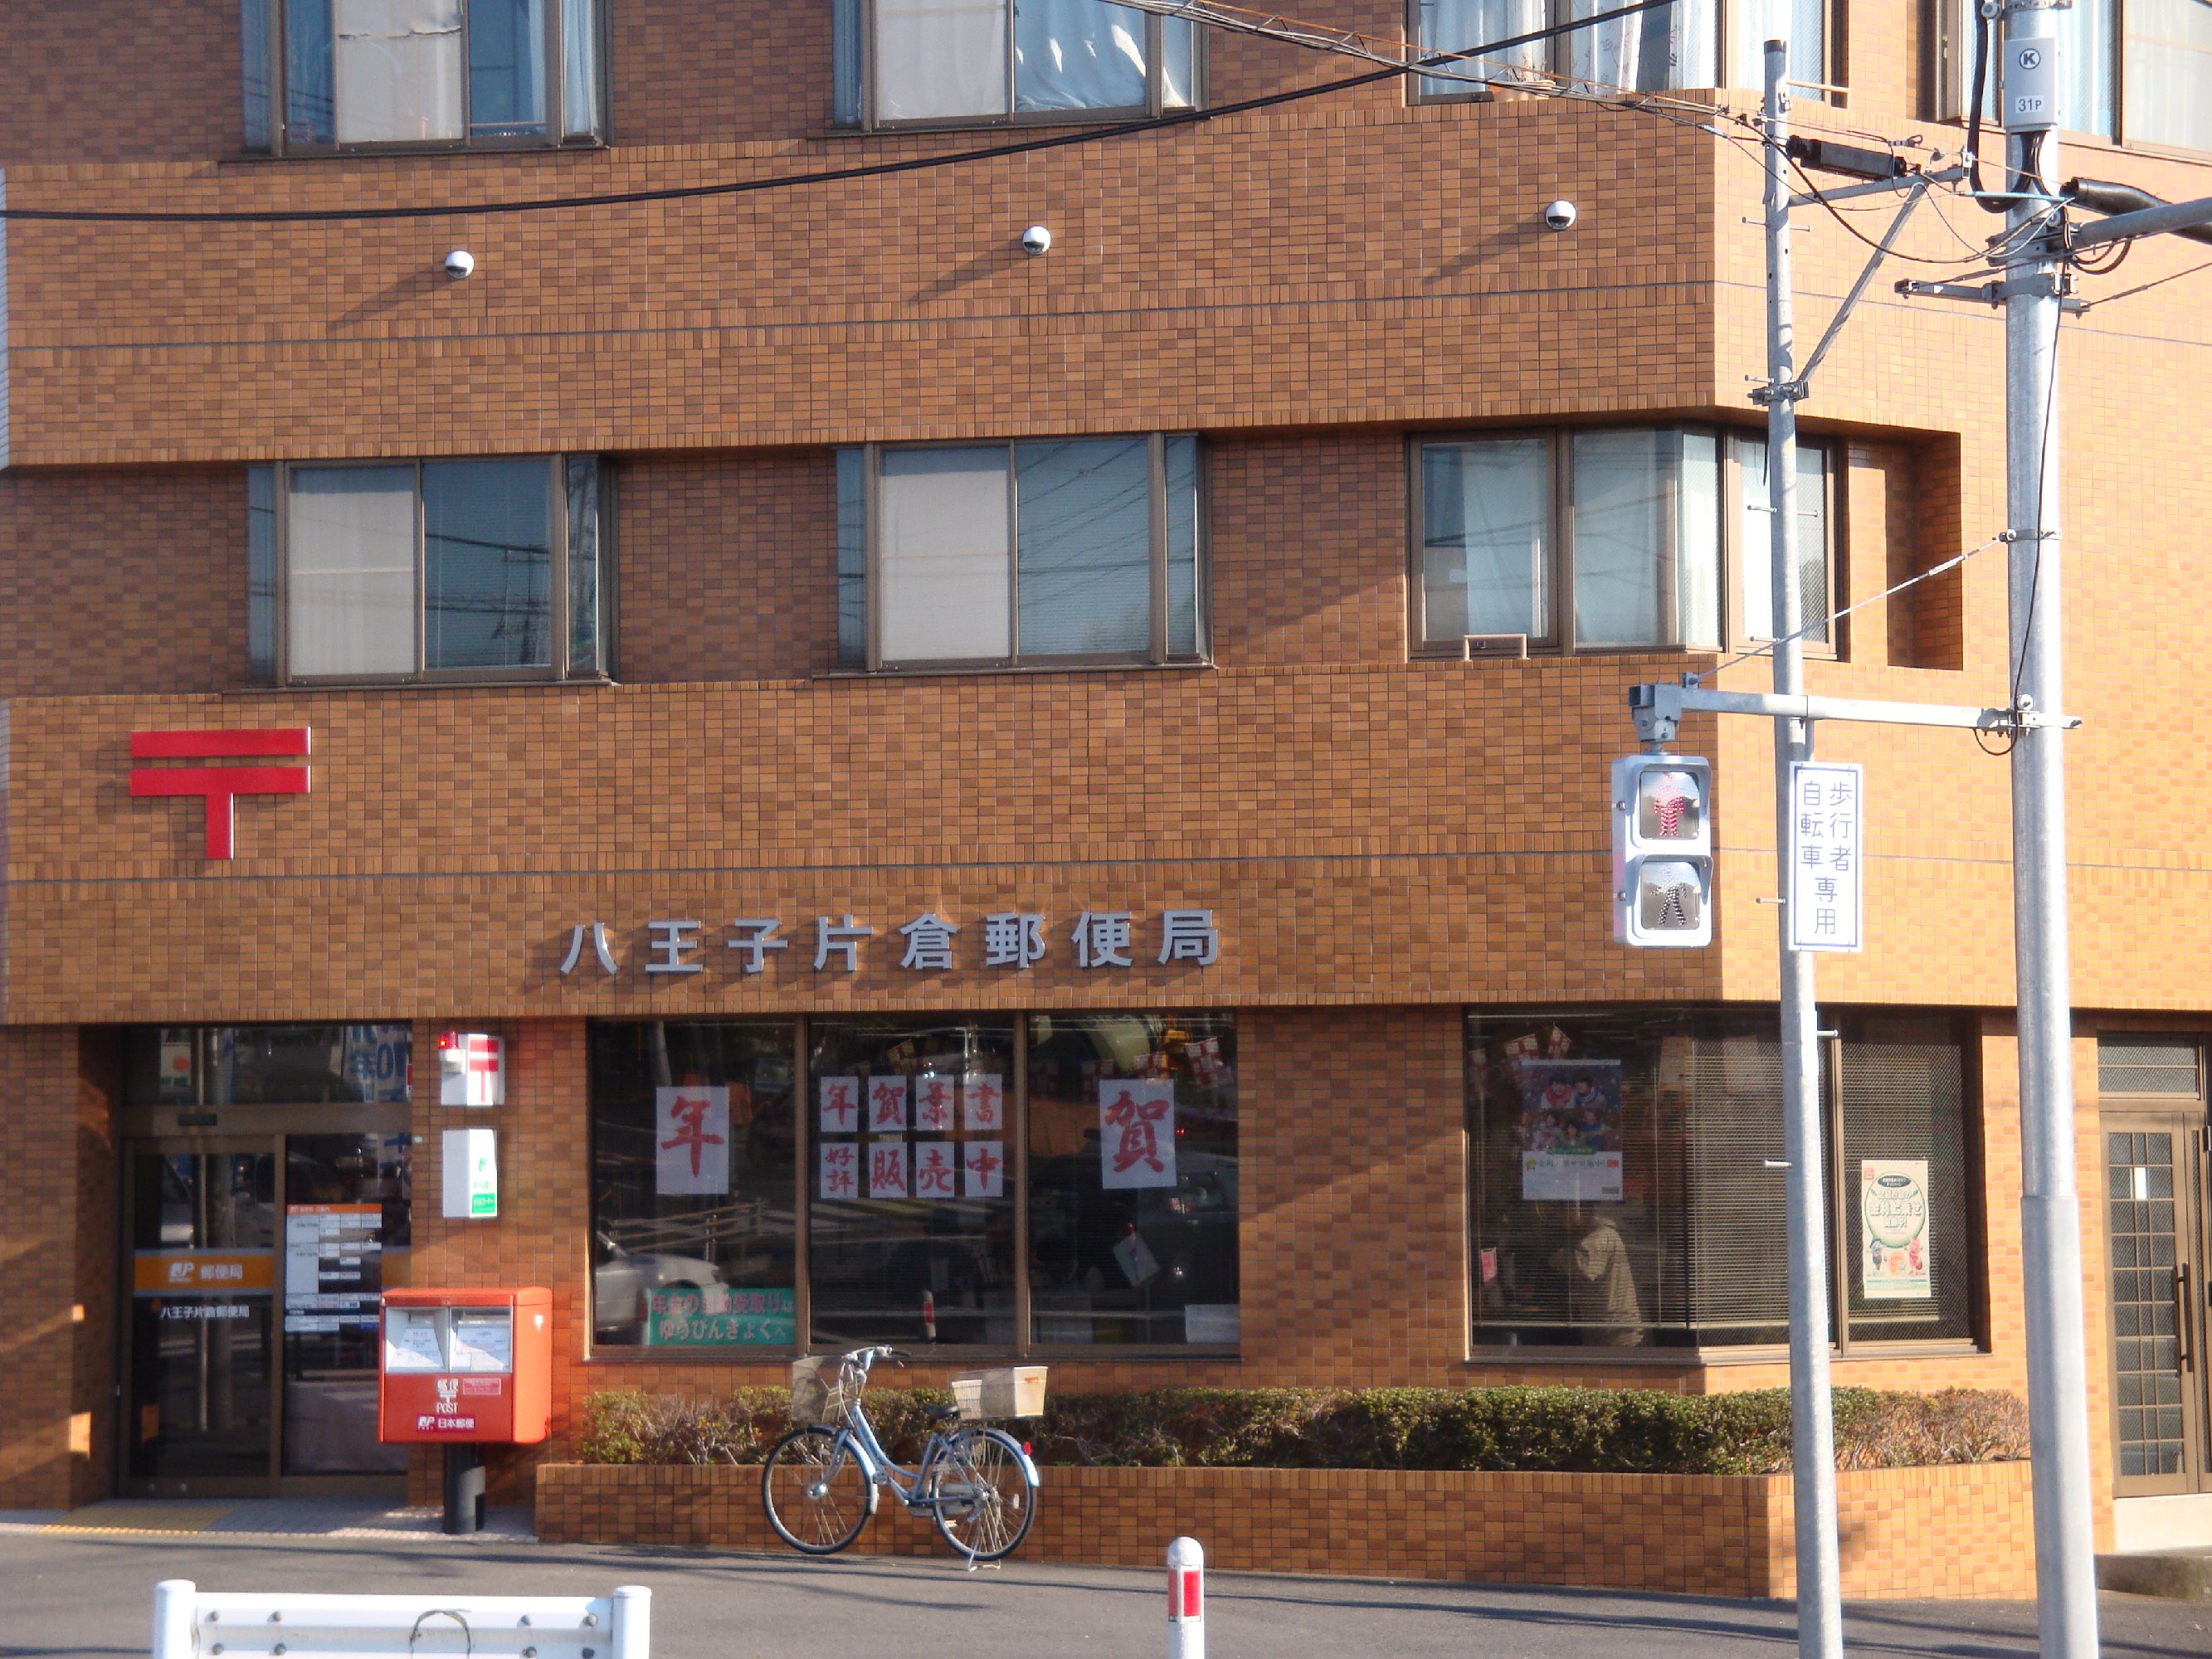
[1009,1391]
[817,1392]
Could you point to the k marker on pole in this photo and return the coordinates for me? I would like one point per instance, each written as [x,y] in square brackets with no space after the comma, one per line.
[1185,1600]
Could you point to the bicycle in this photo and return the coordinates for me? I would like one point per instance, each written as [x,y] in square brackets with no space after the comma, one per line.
[823,1479]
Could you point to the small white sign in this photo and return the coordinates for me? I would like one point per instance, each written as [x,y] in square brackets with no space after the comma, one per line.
[471,1184]
[1827,848]
[691,1140]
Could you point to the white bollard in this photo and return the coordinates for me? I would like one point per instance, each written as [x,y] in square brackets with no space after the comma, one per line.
[1185,1600]
[173,1619]
[633,1622]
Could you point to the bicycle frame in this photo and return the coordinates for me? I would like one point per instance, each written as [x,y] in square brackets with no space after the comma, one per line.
[857,1438]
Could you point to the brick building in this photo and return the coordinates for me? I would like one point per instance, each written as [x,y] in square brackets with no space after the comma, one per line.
[958,776]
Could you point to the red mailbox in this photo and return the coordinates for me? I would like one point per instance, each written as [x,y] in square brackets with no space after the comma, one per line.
[466,1367]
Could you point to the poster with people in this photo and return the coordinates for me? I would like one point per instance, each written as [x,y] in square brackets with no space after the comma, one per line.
[1570,1129]
[1893,1244]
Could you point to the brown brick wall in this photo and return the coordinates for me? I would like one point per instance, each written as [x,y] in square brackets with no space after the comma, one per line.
[1965,1531]
[119,80]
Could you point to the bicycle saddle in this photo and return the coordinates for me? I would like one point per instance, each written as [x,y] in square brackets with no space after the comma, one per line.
[940,1413]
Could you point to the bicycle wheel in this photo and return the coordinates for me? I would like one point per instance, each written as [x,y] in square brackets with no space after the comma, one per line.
[986,1497]
[815,1491]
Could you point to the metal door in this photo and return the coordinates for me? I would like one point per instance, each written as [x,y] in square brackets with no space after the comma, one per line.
[2154,1193]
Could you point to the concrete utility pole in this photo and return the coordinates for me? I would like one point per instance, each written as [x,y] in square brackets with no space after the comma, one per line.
[2050,1208]
[1812,1421]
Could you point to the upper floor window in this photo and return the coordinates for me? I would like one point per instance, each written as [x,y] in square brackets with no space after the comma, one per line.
[381,570]
[967,61]
[325,75]
[2140,73]
[1011,554]
[1663,49]
[1607,539]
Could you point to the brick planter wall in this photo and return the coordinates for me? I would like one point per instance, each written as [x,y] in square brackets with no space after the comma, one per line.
[1959,1531]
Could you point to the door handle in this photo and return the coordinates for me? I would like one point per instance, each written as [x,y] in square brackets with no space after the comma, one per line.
[2185,1356]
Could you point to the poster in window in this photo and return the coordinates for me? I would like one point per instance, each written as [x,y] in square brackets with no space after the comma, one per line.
[1570,1130]
[983,1168]
[840,1105]
[889,1170]
[1136,1132]
[983,1102]
[841,1169]
[1894,1222]
[936,1169]
[933,1104]
[691,1140]
[887,1105]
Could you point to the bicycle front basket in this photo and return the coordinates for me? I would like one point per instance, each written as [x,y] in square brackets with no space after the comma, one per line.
[817,1393]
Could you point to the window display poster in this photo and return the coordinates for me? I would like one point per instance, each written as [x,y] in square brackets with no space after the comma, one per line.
[886,1104]
[717,1316]
[1136,1132]
[1893,1230]
[983,1100]
[840,1105]
[1570,1129]
[691,1140]
[841,1169]
[983,1168]
[888,1170]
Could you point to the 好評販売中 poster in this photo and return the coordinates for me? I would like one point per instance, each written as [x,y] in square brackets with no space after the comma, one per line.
[1893,1230]
[1570,1129]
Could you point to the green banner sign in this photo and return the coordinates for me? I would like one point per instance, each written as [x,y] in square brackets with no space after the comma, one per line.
[719,1317]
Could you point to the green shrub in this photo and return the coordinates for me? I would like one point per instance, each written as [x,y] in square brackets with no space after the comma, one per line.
[1601,1431]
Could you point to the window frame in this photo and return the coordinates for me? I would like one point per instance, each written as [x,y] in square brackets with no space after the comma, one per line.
[1736,621]
[277,142]
[1839,1251]
[1155,104]
[1951,62]
[1559,640]
[1156,654]
[559,669]
[807,1139]
[1734,29]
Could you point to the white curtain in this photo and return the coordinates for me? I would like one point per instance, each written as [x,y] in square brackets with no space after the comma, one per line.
[398,71]
[1668,49]
[350,586]
[1486,514]
[1456,25]
[1078,54]
[940,58]
[2168,74]
[1807,21]
[1647,529]
[1755,545]
[579,68]
[944,575]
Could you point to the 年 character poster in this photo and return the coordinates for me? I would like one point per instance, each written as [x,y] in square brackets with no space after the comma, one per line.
[1570,1129]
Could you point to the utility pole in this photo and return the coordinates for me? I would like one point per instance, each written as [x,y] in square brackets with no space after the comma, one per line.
[1812,1420]
[2050,1208]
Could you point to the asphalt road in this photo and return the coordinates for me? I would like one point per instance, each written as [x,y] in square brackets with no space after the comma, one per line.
[91,1595]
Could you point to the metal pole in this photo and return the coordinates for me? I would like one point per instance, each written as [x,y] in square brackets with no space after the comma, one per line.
[2050,1214]
[1812,1424]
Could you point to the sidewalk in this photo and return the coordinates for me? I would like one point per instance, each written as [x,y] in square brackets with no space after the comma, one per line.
[82,1584]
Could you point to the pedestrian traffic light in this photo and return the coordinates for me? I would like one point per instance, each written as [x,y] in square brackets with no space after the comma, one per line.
[1662,850]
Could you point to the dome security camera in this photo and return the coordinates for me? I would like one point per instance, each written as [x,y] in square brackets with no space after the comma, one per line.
[1036,239]
[1561,215]
[460,263]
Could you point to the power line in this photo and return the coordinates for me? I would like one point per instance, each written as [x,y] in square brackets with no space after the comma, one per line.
[1440,63]
[2144,288]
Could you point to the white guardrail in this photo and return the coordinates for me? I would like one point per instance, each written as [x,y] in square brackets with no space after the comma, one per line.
[191,1623]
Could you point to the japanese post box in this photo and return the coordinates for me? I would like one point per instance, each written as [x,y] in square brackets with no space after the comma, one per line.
[466,1366]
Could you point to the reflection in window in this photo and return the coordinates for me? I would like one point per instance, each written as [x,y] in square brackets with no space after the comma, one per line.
[693,1147]
[266,1065]
[1132,1180]
[981,60]
[1621,1194]
[1657,50]
[911,1220]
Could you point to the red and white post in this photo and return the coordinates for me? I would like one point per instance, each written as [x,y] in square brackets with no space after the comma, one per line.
[1185,1600]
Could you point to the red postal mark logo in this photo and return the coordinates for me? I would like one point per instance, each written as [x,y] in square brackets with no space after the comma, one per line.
[220,786]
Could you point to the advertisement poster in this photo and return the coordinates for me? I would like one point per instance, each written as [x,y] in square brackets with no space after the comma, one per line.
[983,1168]
[1136,1132]
[692,1139]
[1570,1129]
[717,1316]
[1894,1244]
[840,1105]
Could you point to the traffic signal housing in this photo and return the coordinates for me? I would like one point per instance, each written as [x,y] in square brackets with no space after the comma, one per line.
[1662,851]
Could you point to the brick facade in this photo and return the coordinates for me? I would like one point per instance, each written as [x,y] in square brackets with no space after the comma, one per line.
[1385,840]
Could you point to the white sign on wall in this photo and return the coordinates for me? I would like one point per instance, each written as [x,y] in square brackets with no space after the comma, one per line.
[1826,839]
[691,1140]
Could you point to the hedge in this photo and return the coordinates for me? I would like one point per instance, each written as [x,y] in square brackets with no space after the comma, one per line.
[1597,1430]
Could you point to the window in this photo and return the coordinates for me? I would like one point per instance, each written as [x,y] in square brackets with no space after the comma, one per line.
[1624,523]
[694,1145]
[1020,555]
[969,61]
[1755,544]
[265,1065]
[1659,50]
[1621,1196]
[839,1182]
[405,570]
[2140,73]
[323,75]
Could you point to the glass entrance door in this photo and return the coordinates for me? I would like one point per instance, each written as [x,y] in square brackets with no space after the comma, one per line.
[256,1266]
[202,1277]
[2155,1193]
